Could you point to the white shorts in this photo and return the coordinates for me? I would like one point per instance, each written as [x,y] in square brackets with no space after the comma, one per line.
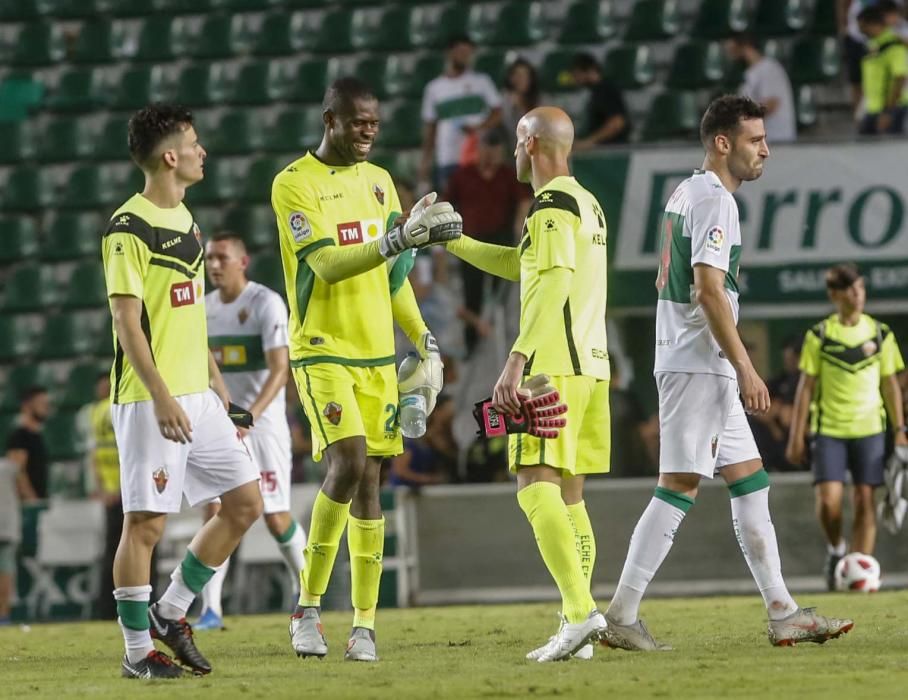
[270,452]
[156,472]
[702,424]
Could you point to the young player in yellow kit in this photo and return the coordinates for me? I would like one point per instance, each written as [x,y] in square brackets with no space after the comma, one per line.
[345,265]
[561,265]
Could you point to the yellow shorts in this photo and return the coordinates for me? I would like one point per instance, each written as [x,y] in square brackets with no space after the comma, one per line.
[584,445]
[342,401]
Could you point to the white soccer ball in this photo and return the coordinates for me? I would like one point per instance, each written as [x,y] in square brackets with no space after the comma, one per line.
[857,572]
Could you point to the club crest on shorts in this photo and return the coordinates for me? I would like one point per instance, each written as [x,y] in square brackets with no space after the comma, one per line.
[160,478]
[714,444]
[333,412]
[379,193]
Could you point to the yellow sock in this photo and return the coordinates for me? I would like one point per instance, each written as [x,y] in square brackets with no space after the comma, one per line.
[584,538]
[551,522]
[366,540]
[328,521]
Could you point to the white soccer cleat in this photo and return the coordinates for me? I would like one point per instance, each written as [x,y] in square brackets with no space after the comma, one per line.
[572,637]
[633,637]
[361,646]
[584,653]
[306,634]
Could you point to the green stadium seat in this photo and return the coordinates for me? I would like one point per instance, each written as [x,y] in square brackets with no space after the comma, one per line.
[252,86]
[380,29]
[19,96]
[20,238]
[77,90]
[18,142]
[36,44]
[259,176]
[135,87]
[517,22]
[432,25]
[95,43]
[696,64]
[187,7]
[21,377]
[805,106]
[300,82]
[307,3]
[202,85]
[266,269]
[29,287]
[110,140]
[71,235]
[90,187]
[587,22]
[651,20]
[276,36]
[775,18]
[370,69]
[671,115]
[555,71]
[630,66]
[67,9]
[324,32]
[403,165]
[17,337]
[27,188]
[493,62]
[236,132]
[103,348]
[255,224]
[219,36]
[295,130]
[128,8]
[66,335]
[401,125]
[219,184]
[86,288]
[247,5]
[159,38]
[814,59]
[718,19]
[66,138]
[61,434]
[79,388]
[406,75]
[17,11]
[824,21]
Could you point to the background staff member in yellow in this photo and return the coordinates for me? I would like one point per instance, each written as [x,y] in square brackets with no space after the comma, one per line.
[345,266]
[849,363]
[561,265]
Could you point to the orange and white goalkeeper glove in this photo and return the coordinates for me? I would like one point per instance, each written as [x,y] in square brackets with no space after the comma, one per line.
[541,412]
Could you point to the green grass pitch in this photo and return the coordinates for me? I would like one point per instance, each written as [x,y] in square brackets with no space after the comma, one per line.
[721,651]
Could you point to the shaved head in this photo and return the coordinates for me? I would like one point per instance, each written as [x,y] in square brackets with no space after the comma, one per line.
[543,134]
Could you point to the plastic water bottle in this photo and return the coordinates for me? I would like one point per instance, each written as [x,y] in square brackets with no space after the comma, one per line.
[413,405]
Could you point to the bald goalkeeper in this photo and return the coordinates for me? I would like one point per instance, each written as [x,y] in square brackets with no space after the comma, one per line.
[561,266]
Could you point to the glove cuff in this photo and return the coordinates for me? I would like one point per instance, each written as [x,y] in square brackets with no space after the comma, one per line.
[392,243]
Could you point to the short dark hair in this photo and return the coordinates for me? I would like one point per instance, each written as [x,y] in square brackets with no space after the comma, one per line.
[842,276]
[724,115]
[31,391]
[872,15]
[457,39]
[343,91]
[231,236]
[744,39]
[584,61]
[151,125]
[885,6]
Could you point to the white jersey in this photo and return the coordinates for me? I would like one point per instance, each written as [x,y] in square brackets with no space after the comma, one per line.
[700,225]
[239,335]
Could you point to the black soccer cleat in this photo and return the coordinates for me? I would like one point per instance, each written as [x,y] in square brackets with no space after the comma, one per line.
[829,569]
[156,665]
[177,634]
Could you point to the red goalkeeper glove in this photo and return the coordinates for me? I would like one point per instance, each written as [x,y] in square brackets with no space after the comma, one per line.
[540,412]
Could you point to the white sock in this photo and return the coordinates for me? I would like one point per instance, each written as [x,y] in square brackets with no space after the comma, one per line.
[757,539]
[138,643]
[213,591]
[292,551]
[176,600]
[838,549]
[650,544]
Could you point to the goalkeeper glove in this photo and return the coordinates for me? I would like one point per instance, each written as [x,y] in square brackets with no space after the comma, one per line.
[540,408]
[240,416]
[429,223]
[424,376]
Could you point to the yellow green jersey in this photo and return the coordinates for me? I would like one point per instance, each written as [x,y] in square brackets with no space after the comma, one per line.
[566,228]
[156,255]
[848,363]
[348,322]
[104,446]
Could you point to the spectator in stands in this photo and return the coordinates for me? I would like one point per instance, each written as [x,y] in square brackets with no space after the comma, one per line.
[25,445]
[766,82]
[456,106]
[854,45]
[607,119]
[431,459]
[883,72]
[493,205]
[894,16]
[487,461]
[12,477]
[521,94]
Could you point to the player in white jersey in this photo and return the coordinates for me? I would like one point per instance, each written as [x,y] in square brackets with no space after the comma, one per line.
[701,367]
[247,334]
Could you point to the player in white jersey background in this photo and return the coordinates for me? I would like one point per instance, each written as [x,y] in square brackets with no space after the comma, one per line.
[701,367]
[247,334]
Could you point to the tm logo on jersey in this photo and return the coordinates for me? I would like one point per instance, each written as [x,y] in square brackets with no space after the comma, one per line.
[349,233]
[182,294]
